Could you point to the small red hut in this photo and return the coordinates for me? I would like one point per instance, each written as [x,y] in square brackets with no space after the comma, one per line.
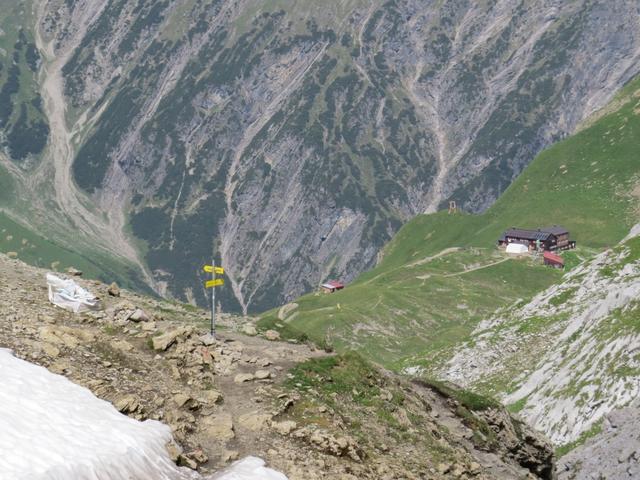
[331,286]
[553,260]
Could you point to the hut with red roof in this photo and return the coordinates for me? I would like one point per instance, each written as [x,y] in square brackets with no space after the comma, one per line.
[553,260]
[331,286]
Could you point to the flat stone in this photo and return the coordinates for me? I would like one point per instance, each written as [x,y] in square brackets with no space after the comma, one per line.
[149,326]
[207,339]
[219,427]
[164,341]
[285,427]
[121,345]
[243,377]
[254,421]
[50,350]
[262,374]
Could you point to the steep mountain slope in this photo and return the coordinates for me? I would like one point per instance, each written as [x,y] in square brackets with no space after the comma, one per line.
[308,414]
[299,135]
[612,453]
[570,355]
[441,274]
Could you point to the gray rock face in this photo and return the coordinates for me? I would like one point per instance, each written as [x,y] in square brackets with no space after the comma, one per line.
[300,138]
[613,453]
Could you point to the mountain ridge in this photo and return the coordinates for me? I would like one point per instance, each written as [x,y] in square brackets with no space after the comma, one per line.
[361,114]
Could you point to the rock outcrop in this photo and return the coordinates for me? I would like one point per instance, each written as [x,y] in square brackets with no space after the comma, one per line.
[613,453]
[552,351]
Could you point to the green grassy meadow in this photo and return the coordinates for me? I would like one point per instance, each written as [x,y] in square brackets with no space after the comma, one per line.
[34,249]
[442,274]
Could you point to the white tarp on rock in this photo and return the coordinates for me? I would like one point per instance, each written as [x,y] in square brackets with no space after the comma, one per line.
[517,248]
[53,429]
[69,295]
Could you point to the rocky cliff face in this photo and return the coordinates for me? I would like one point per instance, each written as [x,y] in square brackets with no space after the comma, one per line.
[612,453]
[301,135]
[569,356]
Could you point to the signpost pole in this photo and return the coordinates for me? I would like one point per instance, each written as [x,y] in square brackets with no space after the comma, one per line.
[213,300]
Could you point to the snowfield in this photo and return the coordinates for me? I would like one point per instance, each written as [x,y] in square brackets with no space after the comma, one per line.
[53,429]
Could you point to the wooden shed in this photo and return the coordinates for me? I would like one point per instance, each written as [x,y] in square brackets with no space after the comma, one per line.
[553,260]
[331,286]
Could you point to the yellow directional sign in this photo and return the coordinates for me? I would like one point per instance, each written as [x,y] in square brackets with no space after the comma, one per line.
[211,269]
[214,283]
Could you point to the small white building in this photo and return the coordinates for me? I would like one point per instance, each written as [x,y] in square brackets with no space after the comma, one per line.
[517,249]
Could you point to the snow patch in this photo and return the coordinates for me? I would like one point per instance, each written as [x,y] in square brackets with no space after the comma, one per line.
[53,429]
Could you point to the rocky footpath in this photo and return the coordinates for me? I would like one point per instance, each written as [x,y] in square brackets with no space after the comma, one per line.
[307,413]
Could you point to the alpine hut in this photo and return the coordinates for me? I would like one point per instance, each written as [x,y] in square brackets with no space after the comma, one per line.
[331,286]
[546,239]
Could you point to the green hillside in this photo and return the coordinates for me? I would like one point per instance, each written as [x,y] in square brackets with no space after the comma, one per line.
[23,125]
[441,273]
[32,248]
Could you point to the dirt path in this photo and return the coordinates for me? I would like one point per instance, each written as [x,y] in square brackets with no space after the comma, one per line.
[474,269]
[442,253]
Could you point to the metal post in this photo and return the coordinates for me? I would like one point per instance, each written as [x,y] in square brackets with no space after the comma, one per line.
[213,300]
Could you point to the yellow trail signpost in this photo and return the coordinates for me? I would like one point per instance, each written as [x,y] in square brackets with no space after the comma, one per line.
[212,284]
[213,269]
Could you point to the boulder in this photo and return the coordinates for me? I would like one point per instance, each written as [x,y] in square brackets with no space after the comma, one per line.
[272,335]
[211,396]
[181,399]
[185,461]
[164,341]
[218,427]
[74,272]
[174,451]
[249,329]
[139,315]
[262,374]
[285,427]
[113,290]
[198,455]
